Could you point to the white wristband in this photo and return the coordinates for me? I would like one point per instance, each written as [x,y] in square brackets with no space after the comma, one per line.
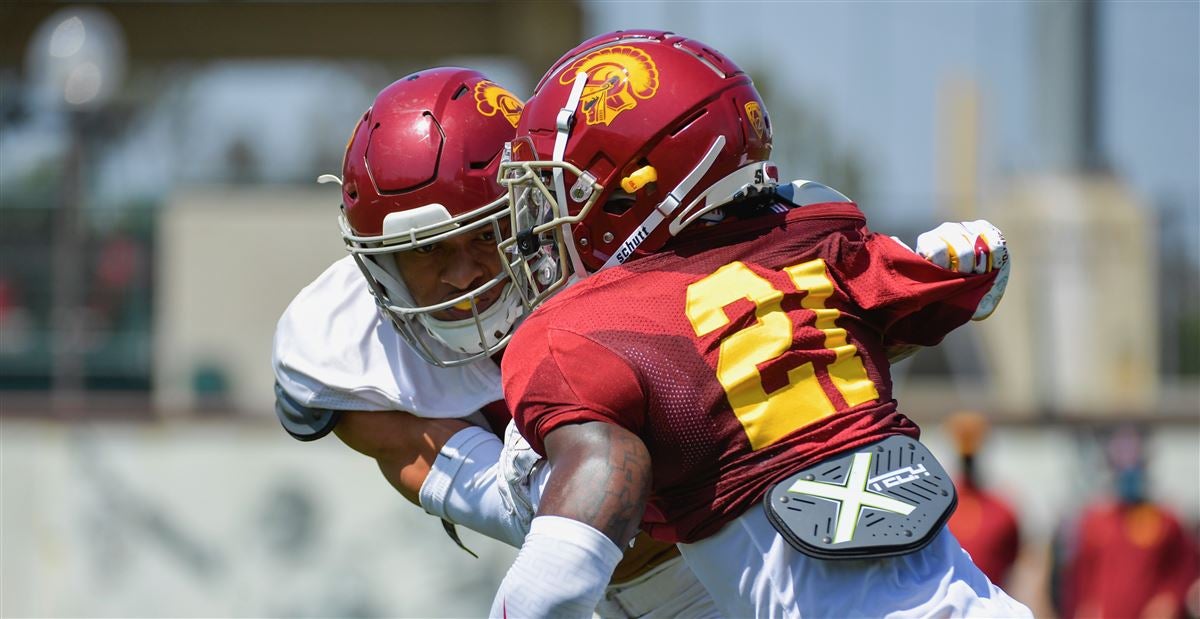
[561,571]
[462,487]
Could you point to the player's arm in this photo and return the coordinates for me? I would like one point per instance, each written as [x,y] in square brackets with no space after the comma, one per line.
[601,478]
[965,247]
[447,466]
[589,511]
[403,445]
[972,247]
[913,298]
[962,247]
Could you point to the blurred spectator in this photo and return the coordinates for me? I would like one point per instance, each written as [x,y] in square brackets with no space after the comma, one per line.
[984,523]
[16,322]
[1126,557]
[116,271]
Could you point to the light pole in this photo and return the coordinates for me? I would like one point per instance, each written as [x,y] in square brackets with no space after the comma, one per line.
[76,62]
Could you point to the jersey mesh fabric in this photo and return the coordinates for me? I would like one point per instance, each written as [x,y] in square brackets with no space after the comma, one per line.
[623,350]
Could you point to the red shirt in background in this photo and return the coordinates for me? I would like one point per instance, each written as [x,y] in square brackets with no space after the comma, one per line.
[1128,557]
[987,529]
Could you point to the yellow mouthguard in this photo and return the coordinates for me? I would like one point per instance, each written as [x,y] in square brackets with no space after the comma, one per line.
[639,179]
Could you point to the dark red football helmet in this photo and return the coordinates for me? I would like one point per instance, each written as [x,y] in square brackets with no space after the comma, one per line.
[421,167]
[628,131]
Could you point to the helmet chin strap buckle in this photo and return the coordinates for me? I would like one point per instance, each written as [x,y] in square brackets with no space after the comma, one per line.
[527,243]
[545,271]
[745,182]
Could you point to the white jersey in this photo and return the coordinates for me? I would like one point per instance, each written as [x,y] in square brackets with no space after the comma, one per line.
[333,351]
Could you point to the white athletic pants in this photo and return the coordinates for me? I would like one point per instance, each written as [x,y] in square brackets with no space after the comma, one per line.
[669,591]
[752,572]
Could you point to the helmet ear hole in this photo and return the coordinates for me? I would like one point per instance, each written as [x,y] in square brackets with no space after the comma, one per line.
[689,121]
[619,204]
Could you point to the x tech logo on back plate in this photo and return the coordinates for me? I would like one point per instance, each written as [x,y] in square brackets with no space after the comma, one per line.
[851,498]
[886,499]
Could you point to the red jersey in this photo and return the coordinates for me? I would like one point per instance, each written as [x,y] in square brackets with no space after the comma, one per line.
[744,353]
[987,529]
[1127,557]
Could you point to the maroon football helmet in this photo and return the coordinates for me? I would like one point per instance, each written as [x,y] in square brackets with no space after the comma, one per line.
[421,167]
[628,131]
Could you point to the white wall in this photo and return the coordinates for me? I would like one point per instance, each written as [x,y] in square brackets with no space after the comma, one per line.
[228,263]
[235,519]
[219,520]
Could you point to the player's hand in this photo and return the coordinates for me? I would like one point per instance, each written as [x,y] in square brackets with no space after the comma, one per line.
[970,247]
[967,247]
[518,464]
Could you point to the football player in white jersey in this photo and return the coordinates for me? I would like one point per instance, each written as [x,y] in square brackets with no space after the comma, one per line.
[395,347]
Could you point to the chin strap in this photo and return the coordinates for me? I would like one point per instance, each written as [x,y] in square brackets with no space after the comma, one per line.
[388,279]
[564,123]
[747,181]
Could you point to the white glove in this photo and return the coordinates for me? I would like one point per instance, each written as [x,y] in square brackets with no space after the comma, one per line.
[966,247]
[969,247]
[518,485]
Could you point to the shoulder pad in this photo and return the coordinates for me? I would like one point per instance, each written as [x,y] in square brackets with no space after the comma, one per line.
[804,193]
[302,422]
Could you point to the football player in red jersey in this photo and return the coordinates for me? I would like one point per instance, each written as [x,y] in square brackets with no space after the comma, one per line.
[392,347]
[984,523]
[1128,555]
[717,371]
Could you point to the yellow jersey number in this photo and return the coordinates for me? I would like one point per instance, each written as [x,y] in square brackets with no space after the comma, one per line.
[768,417]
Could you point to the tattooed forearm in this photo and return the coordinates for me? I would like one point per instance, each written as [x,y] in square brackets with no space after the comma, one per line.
[619,499]
[600,476]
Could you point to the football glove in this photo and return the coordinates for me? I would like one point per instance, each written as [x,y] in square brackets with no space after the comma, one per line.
[519,481]
[970,247]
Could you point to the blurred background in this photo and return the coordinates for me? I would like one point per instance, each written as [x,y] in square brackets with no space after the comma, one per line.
[158,211]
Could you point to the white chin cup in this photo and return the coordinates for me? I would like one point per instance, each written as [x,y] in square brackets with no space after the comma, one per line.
[463,335]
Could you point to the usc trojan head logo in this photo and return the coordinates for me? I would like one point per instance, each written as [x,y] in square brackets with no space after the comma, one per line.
[490,98]
[754,114]
[617,77]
